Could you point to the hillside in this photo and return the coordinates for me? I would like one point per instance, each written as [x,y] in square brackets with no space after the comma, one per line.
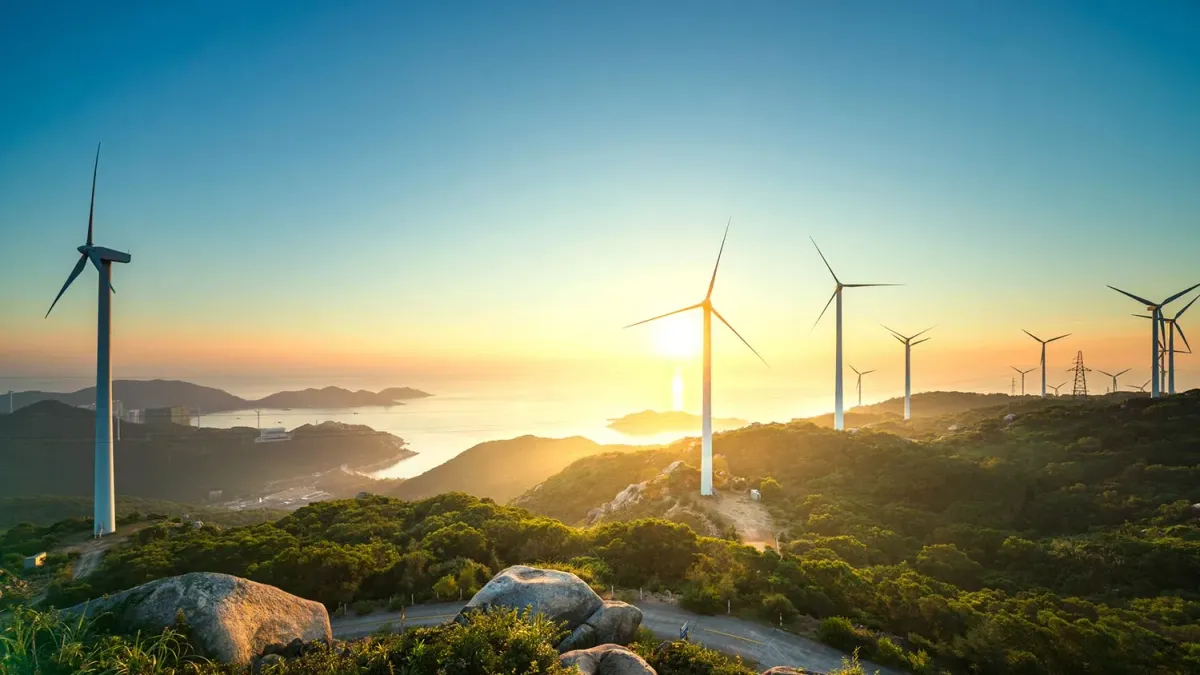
[501,470]
[43,510]
[47,448]
[135,394]
[651,422]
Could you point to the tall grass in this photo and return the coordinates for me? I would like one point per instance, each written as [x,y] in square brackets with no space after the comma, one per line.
[48,643]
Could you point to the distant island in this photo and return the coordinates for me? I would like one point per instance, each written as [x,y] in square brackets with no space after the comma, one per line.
[140,394]
[651,422]
[47,448]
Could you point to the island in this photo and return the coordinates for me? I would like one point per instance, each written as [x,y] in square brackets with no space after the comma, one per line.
[651,422]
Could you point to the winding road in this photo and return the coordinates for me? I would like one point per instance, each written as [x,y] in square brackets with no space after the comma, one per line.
[752,641]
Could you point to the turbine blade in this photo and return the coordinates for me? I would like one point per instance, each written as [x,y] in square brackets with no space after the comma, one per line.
[1179,329]
[900,340]
[660,316]
[1185,307]
[924,331]
[867,285]
[92,207]
[1131,295]
[814,242]
[74,273]
[1058,338]
[835,292]
[855,370]
[1102,373]
[1122,372]
[1179,294]
[920,341]
[1032,335]
[868,372]
[1015,368]
[760,358]
[713,282]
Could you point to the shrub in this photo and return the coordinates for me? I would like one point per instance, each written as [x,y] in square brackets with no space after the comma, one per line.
[702,599]
[837,631]
[688,658]
[770,489]
[363,607]
[776,605]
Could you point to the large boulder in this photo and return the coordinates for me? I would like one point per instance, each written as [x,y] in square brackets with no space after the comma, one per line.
[563,598]
[606,660]
[231,620]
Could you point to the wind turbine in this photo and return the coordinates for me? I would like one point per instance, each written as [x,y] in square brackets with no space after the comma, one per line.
[838,417]
[1057,387]
[858,385]
[709,312]
[104,520]
[1140,387]
[1044,343]
[1155,310]
[1114,376]
[1170,327]
[908,345]
[1023,373]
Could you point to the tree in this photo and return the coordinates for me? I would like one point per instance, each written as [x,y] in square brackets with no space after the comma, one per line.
[770,489]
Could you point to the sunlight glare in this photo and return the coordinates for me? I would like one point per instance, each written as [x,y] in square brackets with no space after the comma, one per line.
[677,390]
[677,337]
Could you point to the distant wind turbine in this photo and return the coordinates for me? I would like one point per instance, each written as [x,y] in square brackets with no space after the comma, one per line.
[1023,373]
[104,512]
[1140,387]
[1056,387]
[1044,343]
[838,417]
[1114,376]
[709,312]
[858,385]
[908,345]
[1155,309]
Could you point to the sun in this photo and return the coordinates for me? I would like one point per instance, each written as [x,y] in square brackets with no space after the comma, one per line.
[677,337]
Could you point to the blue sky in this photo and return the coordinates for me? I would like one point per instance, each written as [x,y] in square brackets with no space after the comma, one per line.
[479,182]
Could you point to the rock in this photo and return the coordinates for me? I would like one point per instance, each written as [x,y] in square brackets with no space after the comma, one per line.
[788,670]
[559,596]
[563,598]
[231,620]
[616,622]
[606,660]
[581,638]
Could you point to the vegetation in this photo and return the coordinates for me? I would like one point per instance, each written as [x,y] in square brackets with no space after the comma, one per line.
[47,447]
[651,422]
[501,470]
[44,510]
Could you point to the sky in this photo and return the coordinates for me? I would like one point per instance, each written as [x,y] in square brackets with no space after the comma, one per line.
[429,191]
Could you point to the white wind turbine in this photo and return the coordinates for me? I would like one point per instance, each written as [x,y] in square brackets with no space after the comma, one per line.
[1139,387]
[706,423]
[104,512]
[858,384]
[1056,387]
[838,417]
[1155,310]
[1023,374]
[908,345]
[1170,327]
[1044,343]
[1114,376]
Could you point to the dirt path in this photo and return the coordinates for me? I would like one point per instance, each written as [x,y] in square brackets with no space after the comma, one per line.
[751,518]
[91,551]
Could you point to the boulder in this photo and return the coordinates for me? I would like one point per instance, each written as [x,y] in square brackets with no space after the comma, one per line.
[230,620]
[563,598]
[789,670]
[606,660]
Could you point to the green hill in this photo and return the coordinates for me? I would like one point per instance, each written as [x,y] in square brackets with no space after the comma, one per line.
[501,470]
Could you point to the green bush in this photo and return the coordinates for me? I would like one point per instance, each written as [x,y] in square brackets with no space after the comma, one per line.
[363,607]
[776,605]
[688,658]
[839,632]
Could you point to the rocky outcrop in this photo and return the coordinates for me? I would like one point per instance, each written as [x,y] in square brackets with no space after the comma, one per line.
[563,598]
[229,619]
[607,660]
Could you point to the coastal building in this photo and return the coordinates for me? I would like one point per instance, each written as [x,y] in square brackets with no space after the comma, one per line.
[273,435]
[172,415]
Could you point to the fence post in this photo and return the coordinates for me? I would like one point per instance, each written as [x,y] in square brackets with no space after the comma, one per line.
[728,606]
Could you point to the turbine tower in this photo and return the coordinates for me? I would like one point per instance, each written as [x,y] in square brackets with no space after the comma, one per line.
[709,312]
[858,385]
[104,514]
[1170,327]
[1023,374]
[1044,343]
[1114,376]
[838,417]
[1155,310]
[908,345]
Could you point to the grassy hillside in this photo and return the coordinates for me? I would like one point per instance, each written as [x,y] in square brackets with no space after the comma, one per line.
[48,447]
[43,510]
[501,470]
